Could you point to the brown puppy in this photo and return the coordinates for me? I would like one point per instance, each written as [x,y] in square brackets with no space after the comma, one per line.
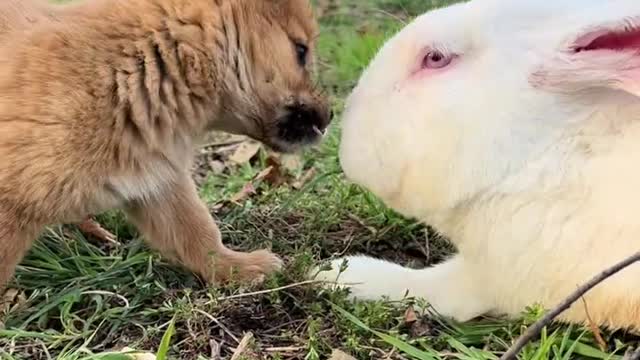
[20,15]
[101,103]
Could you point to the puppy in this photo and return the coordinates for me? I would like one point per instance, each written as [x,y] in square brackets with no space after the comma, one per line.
[102,102]
[19,15]
[16,15]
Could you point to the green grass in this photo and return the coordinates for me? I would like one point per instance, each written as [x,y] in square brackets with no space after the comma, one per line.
[78,299]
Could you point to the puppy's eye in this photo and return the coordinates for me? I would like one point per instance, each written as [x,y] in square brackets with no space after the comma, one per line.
[435,60]
[301,53]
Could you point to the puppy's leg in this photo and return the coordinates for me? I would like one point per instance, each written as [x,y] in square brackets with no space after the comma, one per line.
[179,225]
[15,241]
[452,288]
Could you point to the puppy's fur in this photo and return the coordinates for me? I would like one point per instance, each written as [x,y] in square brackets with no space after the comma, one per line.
[101,103]
[18,15]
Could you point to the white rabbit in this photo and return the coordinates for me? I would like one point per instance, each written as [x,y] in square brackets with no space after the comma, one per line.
[512,127]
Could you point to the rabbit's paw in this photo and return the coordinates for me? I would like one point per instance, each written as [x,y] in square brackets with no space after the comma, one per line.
[366,278]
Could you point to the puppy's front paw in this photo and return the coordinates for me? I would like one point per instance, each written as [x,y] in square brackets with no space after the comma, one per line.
[91,227]
[250,267]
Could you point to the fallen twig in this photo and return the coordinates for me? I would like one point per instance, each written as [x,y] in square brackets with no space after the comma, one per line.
[222,143]
[274,290]
[360,222]
[535,329]
[594,327]
[284,349]
[269,291]
[221,325]
[393,16]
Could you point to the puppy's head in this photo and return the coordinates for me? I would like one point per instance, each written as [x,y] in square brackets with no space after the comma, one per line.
[272,96]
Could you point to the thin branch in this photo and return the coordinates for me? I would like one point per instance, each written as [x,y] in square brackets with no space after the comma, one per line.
[393,16]
[278,289]
[594,327]
[268,291]
[284,349]
[220,324]
[534,330]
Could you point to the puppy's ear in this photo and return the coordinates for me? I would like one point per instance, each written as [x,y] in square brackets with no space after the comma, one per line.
[603,56]
[297,17]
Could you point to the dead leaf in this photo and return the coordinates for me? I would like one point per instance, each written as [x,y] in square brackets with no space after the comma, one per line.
[291,162]
[339,355]
[263,174]
[11,300]
[9,295]
[7,300]
[276,176]
[245,152]
[410,315]
[304,179]
[417,325]
[215,349]
[246,192]
[249,188]
[420,328]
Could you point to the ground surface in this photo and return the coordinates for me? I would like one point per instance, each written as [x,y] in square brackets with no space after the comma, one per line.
[75,298]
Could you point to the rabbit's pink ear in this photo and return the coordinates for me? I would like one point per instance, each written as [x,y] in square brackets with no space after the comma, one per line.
[607,57]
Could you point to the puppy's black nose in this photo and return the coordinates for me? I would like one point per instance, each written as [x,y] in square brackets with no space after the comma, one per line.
[314,116]
[303,123]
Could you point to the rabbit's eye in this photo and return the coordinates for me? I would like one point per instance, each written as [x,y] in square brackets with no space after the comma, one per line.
[435,60]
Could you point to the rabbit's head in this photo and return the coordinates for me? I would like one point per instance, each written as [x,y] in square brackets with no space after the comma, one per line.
[466,96]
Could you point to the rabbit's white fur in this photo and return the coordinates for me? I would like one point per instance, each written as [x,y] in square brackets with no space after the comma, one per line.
[524,153]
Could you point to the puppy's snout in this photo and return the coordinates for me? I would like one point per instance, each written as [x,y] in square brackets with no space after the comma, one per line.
[303,123]
[308,115]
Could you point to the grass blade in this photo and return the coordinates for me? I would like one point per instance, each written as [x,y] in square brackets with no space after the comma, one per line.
[397,343]
[166,341]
